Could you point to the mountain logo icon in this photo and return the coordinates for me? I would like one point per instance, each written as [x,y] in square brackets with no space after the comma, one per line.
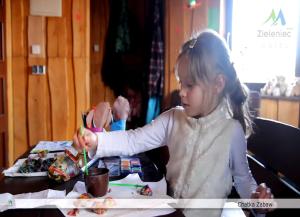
[275,20]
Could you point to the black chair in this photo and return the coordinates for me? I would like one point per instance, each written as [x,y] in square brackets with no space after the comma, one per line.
[273,155]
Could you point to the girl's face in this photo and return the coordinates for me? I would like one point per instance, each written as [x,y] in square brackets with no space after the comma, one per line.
[198,98]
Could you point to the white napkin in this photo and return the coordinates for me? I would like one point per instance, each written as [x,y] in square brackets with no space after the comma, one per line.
[29,200]
[159,190]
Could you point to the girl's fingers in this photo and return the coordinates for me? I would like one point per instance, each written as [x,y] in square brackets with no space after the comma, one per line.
[262,192]
[268,194]
[262,189]
[261,186]
[76,143]
[88,140]
[81,140]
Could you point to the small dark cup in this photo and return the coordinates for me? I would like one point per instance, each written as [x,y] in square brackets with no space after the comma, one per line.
[96,182]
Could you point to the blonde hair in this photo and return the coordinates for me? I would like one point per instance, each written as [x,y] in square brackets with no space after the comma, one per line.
[208,54]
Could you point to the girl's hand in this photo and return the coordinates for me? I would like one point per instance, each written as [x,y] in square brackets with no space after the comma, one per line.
[262,192]
[121,108]
[84,138]
[102,115]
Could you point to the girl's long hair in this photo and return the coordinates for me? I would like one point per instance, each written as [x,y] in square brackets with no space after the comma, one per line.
[209,54]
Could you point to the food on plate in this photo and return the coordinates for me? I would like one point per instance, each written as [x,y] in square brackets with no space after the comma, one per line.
[98,206]
[146,191]
[31,165]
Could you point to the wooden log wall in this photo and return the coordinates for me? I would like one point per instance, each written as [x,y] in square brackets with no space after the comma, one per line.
[49,106]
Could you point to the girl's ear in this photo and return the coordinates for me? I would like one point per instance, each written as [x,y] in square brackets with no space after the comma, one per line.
[220,83]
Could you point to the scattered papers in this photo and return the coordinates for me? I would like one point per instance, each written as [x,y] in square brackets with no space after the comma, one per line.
[52,146]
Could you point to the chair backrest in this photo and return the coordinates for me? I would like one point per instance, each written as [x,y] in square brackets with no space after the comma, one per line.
[278,146]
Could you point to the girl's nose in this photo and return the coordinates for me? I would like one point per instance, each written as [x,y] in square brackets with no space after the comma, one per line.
[182,92]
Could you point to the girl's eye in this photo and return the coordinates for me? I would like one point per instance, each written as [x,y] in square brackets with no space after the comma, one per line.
[186,85]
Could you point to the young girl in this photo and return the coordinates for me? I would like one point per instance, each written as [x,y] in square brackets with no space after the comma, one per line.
[205,137]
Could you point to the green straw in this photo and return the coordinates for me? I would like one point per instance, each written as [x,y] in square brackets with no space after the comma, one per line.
[84,152]
[85,162]
[126,185]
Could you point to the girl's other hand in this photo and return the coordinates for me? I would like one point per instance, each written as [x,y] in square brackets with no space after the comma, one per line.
[262,192]
[84,138]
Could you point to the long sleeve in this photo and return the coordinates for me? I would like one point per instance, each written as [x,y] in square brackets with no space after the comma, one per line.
[132,142]
[243,179]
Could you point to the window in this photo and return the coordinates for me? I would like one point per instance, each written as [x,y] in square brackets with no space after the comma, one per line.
[264,38]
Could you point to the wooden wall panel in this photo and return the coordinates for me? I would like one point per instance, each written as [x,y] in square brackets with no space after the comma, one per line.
[176,19]
[281,109]
[79,28]
[39,122]
[268,109]
[19,13]
[81,88]
[8,36]
[288,112]
[60,32]
[71,127]
[56,34]
[58,83]
[36,36]
[67,13]
[20,79]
